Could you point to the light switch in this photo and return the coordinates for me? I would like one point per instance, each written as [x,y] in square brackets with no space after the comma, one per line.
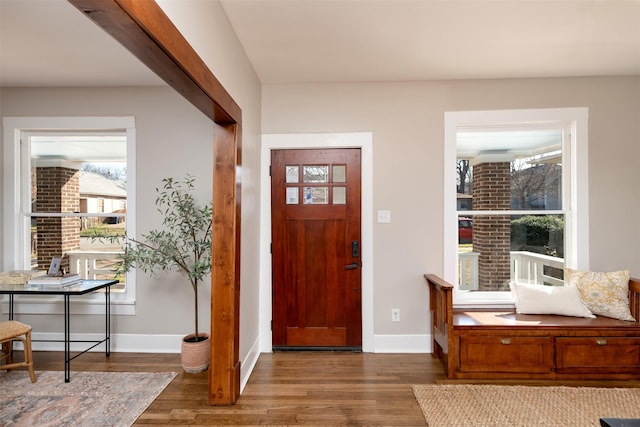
[384,217]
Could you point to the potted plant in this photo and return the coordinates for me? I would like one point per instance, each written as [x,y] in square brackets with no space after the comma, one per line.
[182,244]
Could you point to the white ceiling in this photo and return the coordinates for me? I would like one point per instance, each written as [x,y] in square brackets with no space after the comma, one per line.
[50,43]
[397,40]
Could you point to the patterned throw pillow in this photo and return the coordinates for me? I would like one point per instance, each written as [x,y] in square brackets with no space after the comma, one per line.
[605,294]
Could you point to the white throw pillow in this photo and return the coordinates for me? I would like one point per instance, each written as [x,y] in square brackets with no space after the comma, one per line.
[541,299]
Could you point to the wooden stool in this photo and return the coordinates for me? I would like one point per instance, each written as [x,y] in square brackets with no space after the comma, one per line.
[11,330]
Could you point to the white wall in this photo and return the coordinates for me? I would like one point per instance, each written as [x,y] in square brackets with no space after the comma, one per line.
[407,122]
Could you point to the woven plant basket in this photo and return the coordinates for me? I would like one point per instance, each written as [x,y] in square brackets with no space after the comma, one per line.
[195,355]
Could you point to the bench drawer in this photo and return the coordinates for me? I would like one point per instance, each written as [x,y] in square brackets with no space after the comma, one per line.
[506,354]
[597,354]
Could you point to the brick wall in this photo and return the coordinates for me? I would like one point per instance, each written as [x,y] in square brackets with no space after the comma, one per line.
[57,190]
[492,234]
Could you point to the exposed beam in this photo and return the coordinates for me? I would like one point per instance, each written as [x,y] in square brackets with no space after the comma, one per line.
[144,29]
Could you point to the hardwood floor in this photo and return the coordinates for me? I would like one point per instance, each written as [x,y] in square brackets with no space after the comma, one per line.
[289,388]
[286,388]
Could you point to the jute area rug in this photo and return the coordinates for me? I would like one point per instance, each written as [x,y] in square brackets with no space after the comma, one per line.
[89,399]
[495,405]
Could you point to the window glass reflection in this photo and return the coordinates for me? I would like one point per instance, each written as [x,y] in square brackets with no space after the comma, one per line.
[315,174]
[292,174]
[316,195]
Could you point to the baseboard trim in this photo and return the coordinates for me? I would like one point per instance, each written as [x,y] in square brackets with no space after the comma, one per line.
[144,343]
[120,343]
[402,344]
[248,363]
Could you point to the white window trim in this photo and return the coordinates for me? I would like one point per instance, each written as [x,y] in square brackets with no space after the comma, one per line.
[575,148]
[14,242]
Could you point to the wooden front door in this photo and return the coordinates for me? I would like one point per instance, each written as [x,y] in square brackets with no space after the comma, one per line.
[315,214]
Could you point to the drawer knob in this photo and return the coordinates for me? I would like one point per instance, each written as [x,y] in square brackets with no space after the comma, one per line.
[601,341]
[505,341]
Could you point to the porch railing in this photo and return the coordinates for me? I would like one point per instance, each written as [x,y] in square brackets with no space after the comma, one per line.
[525,266]
[531,268]
[92,265]
[468,271]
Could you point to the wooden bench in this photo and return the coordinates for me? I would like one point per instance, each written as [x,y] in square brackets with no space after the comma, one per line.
[486,344]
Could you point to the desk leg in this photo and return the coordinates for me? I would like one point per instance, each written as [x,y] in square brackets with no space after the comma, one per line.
[67,338]
[7,347]
[10,306]
[107,294]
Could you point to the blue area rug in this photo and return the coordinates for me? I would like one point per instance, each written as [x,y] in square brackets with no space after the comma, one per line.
[90,399]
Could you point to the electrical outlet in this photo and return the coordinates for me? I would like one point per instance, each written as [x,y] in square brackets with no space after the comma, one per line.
[395,314]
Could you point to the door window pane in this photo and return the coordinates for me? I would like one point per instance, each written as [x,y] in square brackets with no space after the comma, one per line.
[339,173]
[316,195]
[339,195]
[293,195]
[315,173]
[292,174]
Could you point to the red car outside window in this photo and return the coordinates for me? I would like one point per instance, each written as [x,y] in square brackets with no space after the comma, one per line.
[465,230]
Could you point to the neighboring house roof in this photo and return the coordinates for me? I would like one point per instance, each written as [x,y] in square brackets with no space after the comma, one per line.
[93,184]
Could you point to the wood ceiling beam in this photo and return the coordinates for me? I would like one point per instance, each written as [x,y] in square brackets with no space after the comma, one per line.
[145,30]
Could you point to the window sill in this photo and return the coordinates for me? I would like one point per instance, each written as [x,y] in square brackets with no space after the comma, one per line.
[484,305]
[484,300]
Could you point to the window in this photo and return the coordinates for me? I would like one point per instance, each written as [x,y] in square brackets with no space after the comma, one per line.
[68,191]
[316,184]
[519,210]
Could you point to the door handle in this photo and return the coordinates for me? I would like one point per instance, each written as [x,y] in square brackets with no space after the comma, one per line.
[351,266]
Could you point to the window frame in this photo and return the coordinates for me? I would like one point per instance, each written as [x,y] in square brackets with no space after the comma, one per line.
[574,122]
[15,238]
